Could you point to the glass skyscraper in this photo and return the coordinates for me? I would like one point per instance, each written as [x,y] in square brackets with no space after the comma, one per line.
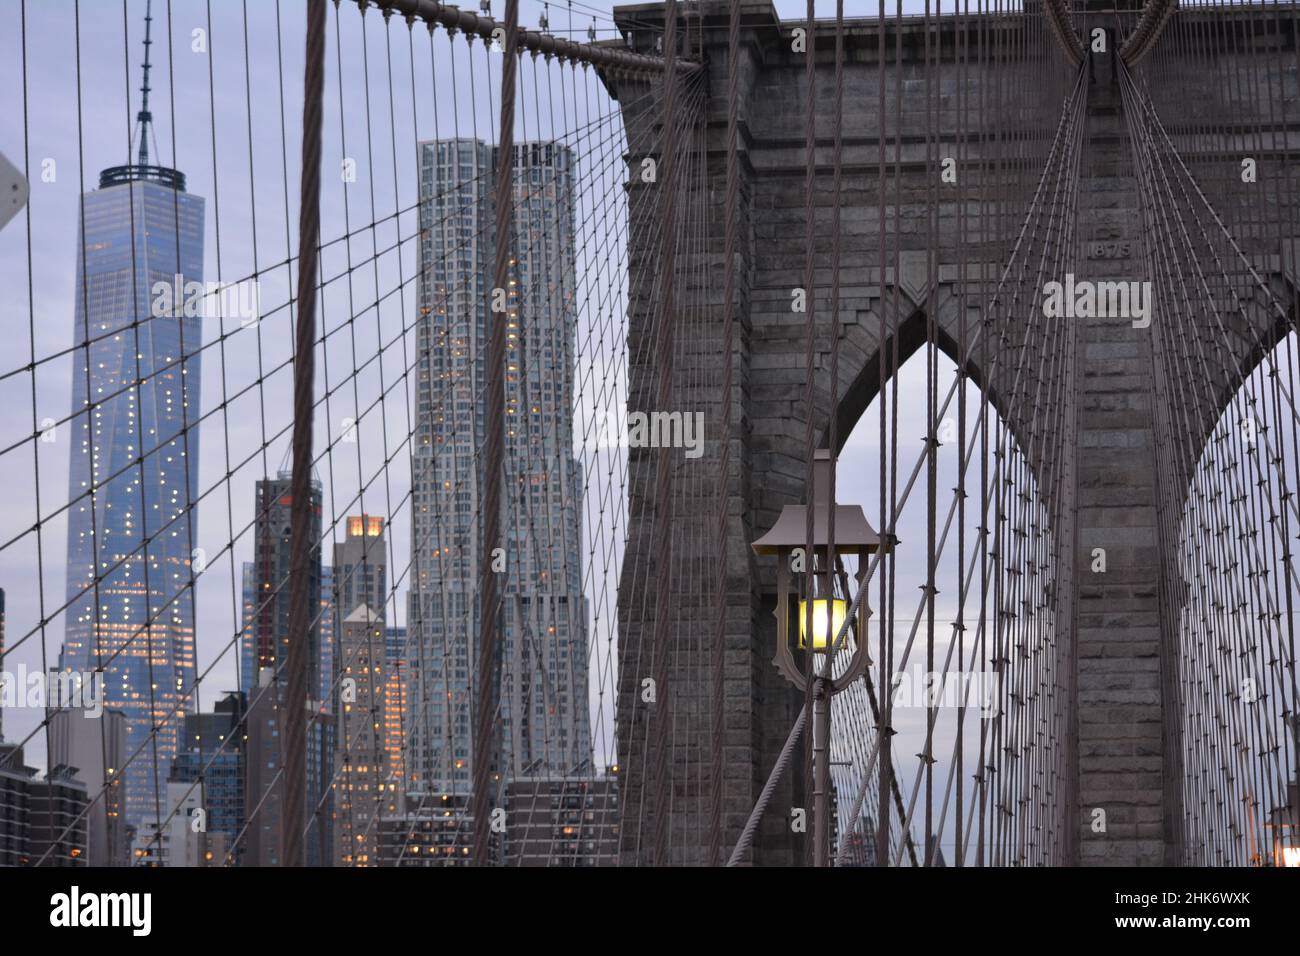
[131,524]
[545,723]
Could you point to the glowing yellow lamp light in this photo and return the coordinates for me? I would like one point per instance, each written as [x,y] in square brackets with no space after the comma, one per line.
[1291,856]
[838,609]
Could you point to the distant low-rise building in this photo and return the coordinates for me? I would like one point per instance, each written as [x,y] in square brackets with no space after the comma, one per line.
[42,819]
[548,821]
[212,750]
[562,821]
[438,831]
[96,747]
[181,836]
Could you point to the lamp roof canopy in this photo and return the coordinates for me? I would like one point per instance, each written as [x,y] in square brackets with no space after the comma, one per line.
[853,533]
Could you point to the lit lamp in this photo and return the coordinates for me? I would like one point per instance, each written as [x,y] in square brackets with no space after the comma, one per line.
[820,628]
[825,611]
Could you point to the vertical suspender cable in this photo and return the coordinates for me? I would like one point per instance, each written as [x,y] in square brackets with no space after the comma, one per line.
[304,370]
[487,691]
[818,712]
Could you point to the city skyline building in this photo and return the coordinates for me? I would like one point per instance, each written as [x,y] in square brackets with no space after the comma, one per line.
[213,751]
[263,786]
[325,623]
[545,724]
[439,832]
[266,645]
[360,672]
[396,717]
[43,820]
[327,626]
[562,821]
[178,839]
[247,620]
[94,746]
[360,569]
[359,755]
[133,464]
[268,636]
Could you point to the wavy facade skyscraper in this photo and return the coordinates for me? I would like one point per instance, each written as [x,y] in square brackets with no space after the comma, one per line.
[544,725]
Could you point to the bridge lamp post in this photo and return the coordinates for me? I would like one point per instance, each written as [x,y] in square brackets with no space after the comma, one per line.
[1284,827]
[824,613]
[1284,821]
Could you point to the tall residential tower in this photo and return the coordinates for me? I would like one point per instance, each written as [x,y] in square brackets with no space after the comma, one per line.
[544,723]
